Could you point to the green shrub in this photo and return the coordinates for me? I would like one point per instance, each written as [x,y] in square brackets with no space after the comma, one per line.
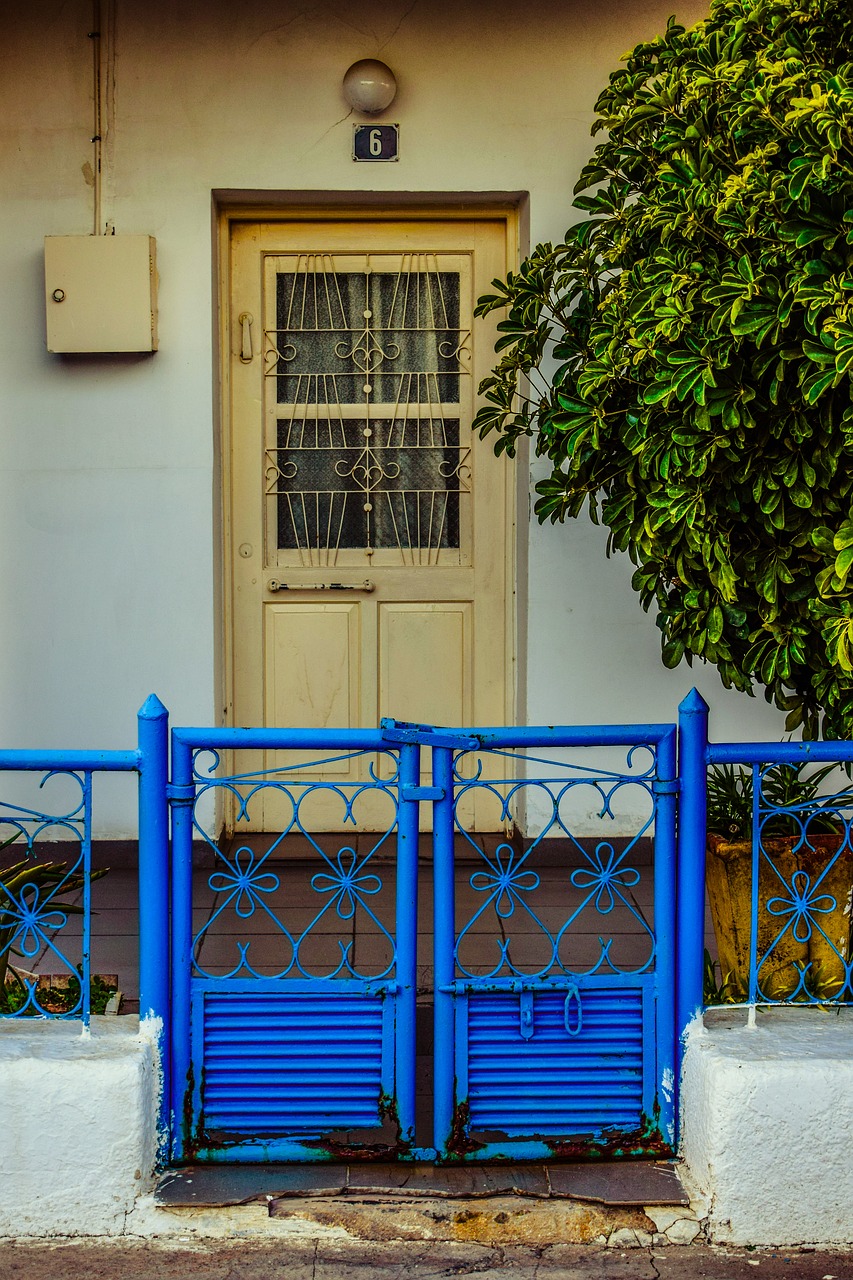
[683,359]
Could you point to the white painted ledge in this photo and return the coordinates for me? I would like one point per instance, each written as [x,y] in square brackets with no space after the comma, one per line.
[767,1125]
[79,1124]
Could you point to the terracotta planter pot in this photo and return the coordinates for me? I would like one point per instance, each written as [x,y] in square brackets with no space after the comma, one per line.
[729,878]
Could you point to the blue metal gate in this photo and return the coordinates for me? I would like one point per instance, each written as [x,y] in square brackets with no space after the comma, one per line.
[559,1038]
[297,982]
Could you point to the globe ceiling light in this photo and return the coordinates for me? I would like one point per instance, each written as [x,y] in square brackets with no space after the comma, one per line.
[369,86]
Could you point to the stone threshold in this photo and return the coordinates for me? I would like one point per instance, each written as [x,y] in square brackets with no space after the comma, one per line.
[617,1184]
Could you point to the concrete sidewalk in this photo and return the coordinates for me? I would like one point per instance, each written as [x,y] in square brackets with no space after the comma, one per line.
[431,1260]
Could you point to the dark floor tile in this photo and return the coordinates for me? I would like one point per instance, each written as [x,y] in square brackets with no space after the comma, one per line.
[445,1181]
[624,1182]
[237,1184]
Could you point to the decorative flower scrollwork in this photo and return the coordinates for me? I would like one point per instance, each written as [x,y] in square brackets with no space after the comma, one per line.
[801,906]
[347,885]
[603,875]
[366,353]
[506,881]
[31,918]
[244,882]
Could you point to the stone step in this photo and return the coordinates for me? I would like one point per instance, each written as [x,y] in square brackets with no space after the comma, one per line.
[637,1203]
[628,1183]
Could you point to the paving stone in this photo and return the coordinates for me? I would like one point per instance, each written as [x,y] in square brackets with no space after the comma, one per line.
[684,1231]
[663,1216]
[312,1259]
[628,1238]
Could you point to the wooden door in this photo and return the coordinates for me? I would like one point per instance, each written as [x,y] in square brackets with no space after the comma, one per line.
[367,527]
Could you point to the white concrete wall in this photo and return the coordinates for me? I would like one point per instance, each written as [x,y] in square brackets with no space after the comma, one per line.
[107,486]
[767,1115]
[79,1124]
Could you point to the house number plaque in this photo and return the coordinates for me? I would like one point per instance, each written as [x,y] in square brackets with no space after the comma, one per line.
[375,142]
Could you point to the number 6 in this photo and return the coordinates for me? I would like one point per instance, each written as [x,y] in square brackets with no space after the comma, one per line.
[375,142]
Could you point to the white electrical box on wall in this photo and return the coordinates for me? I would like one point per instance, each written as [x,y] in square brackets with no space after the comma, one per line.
[100,293]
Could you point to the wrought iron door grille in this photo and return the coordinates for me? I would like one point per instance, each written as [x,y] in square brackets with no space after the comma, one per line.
[366,450]
[401,328]
[368,483]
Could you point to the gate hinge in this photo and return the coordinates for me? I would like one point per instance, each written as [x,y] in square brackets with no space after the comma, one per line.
[180,793]
[427,735]
[666,786]
[422,793]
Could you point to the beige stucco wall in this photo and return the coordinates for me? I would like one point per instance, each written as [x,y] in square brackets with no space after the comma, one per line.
[107,504]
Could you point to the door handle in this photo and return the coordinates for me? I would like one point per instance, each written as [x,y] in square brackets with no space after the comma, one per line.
[366,586]
[246,321]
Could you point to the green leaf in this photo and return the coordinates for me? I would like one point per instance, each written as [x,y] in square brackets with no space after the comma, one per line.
[672,653]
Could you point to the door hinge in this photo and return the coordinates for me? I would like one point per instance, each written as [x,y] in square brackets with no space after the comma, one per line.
[180,793]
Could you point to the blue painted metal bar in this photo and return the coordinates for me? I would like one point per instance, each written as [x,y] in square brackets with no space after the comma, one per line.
[444,941]
[560,983]
[71,761]
[778,752]
[690,944]
[375,739]
[598,735]
[281,739]
[406,940]
[153,724]
[665,915]
[86,957]
[296,986]
[182,797]
[756,857]
[154,941]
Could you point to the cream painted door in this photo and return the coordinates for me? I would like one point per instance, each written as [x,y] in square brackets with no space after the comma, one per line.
[368,528]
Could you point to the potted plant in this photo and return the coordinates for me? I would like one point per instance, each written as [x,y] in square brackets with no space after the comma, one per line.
[805,877]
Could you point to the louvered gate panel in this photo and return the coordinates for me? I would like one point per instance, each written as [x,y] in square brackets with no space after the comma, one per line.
[576,1067]
[279,1064]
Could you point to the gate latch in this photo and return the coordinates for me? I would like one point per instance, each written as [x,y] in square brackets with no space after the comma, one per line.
[427,735]
[573,996]
[422,793]
[525,1015]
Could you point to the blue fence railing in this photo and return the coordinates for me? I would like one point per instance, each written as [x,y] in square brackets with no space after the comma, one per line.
[46,873]
[783,870]
[776,860]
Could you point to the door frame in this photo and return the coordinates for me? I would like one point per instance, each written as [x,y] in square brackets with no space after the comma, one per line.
[230,208]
